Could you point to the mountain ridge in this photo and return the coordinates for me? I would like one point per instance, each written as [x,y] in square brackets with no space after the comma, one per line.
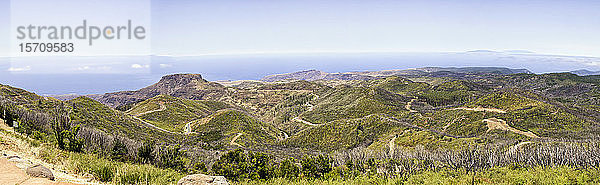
[188,86]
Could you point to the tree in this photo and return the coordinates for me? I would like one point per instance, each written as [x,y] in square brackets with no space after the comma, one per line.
[119,151]
[288,169]
[66,136]
[145,152]
[2,110]
[316,167]
[172,157]
[199,167]
[237,165]
[9,118]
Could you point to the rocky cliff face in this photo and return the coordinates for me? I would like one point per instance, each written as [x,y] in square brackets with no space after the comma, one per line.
[188,86]
[312,75]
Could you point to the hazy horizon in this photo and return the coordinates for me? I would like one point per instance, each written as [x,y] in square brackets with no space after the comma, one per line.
[239,39]
[94,75]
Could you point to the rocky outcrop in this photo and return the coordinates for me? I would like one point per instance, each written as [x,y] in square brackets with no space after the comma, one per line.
[187,86]
[201,179]
[33,170]
[40,171]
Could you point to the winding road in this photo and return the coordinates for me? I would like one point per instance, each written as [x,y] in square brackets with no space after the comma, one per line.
[408,105]
[188,128]
[298,119]
[161,105]
[153,126]
[232,142]
[480,109]
[162,108]
[392,145]
[499,124]
[310,108]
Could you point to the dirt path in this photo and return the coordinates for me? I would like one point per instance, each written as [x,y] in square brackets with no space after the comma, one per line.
[153,126]
[498,124]
[285,136]
[188,128]
[480,109]
[392,145]
[235,138]
[298,119]
[161,105]
[310,106]
[16,155]
[517,146]
[162,108]
[408,105]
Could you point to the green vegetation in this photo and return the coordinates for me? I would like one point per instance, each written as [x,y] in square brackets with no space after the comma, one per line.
[236,165]
[223,126]
[384,131]
[106,170]
[350,102]
[507,101]
[500,175]
[401,85]
[343,134]
[173,113]
[91,113]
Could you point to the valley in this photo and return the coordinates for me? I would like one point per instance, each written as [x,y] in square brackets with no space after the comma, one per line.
[382,115]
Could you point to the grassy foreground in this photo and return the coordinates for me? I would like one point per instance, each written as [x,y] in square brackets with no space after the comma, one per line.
[102,169]
[113,172]
[501,175]
[106,170]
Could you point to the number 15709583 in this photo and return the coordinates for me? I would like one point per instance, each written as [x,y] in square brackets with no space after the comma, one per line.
[47,47]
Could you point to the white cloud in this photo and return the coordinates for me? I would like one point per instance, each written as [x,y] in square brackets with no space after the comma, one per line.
[84,68]
[139,66]
[93,68]
[165,65]
[19,69]
[592,63]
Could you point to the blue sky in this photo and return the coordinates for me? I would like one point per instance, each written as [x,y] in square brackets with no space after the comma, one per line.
[186,27]
[552,27]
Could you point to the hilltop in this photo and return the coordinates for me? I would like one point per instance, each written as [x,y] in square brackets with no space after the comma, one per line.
[172,113]
[188,86]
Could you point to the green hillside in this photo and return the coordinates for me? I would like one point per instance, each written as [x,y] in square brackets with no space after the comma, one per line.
[173,113]
[96,115]
[223,126]
[354,102]
[375,127]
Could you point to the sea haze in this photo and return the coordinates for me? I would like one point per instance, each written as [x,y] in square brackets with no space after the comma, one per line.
[93,75]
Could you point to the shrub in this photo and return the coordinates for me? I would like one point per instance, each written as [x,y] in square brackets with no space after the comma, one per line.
[119,151]
[316,167]
[64,133]
[9,118]
[103,172]
[145,152]
[172,157]
[199,167]
[236,165]
[288,169]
